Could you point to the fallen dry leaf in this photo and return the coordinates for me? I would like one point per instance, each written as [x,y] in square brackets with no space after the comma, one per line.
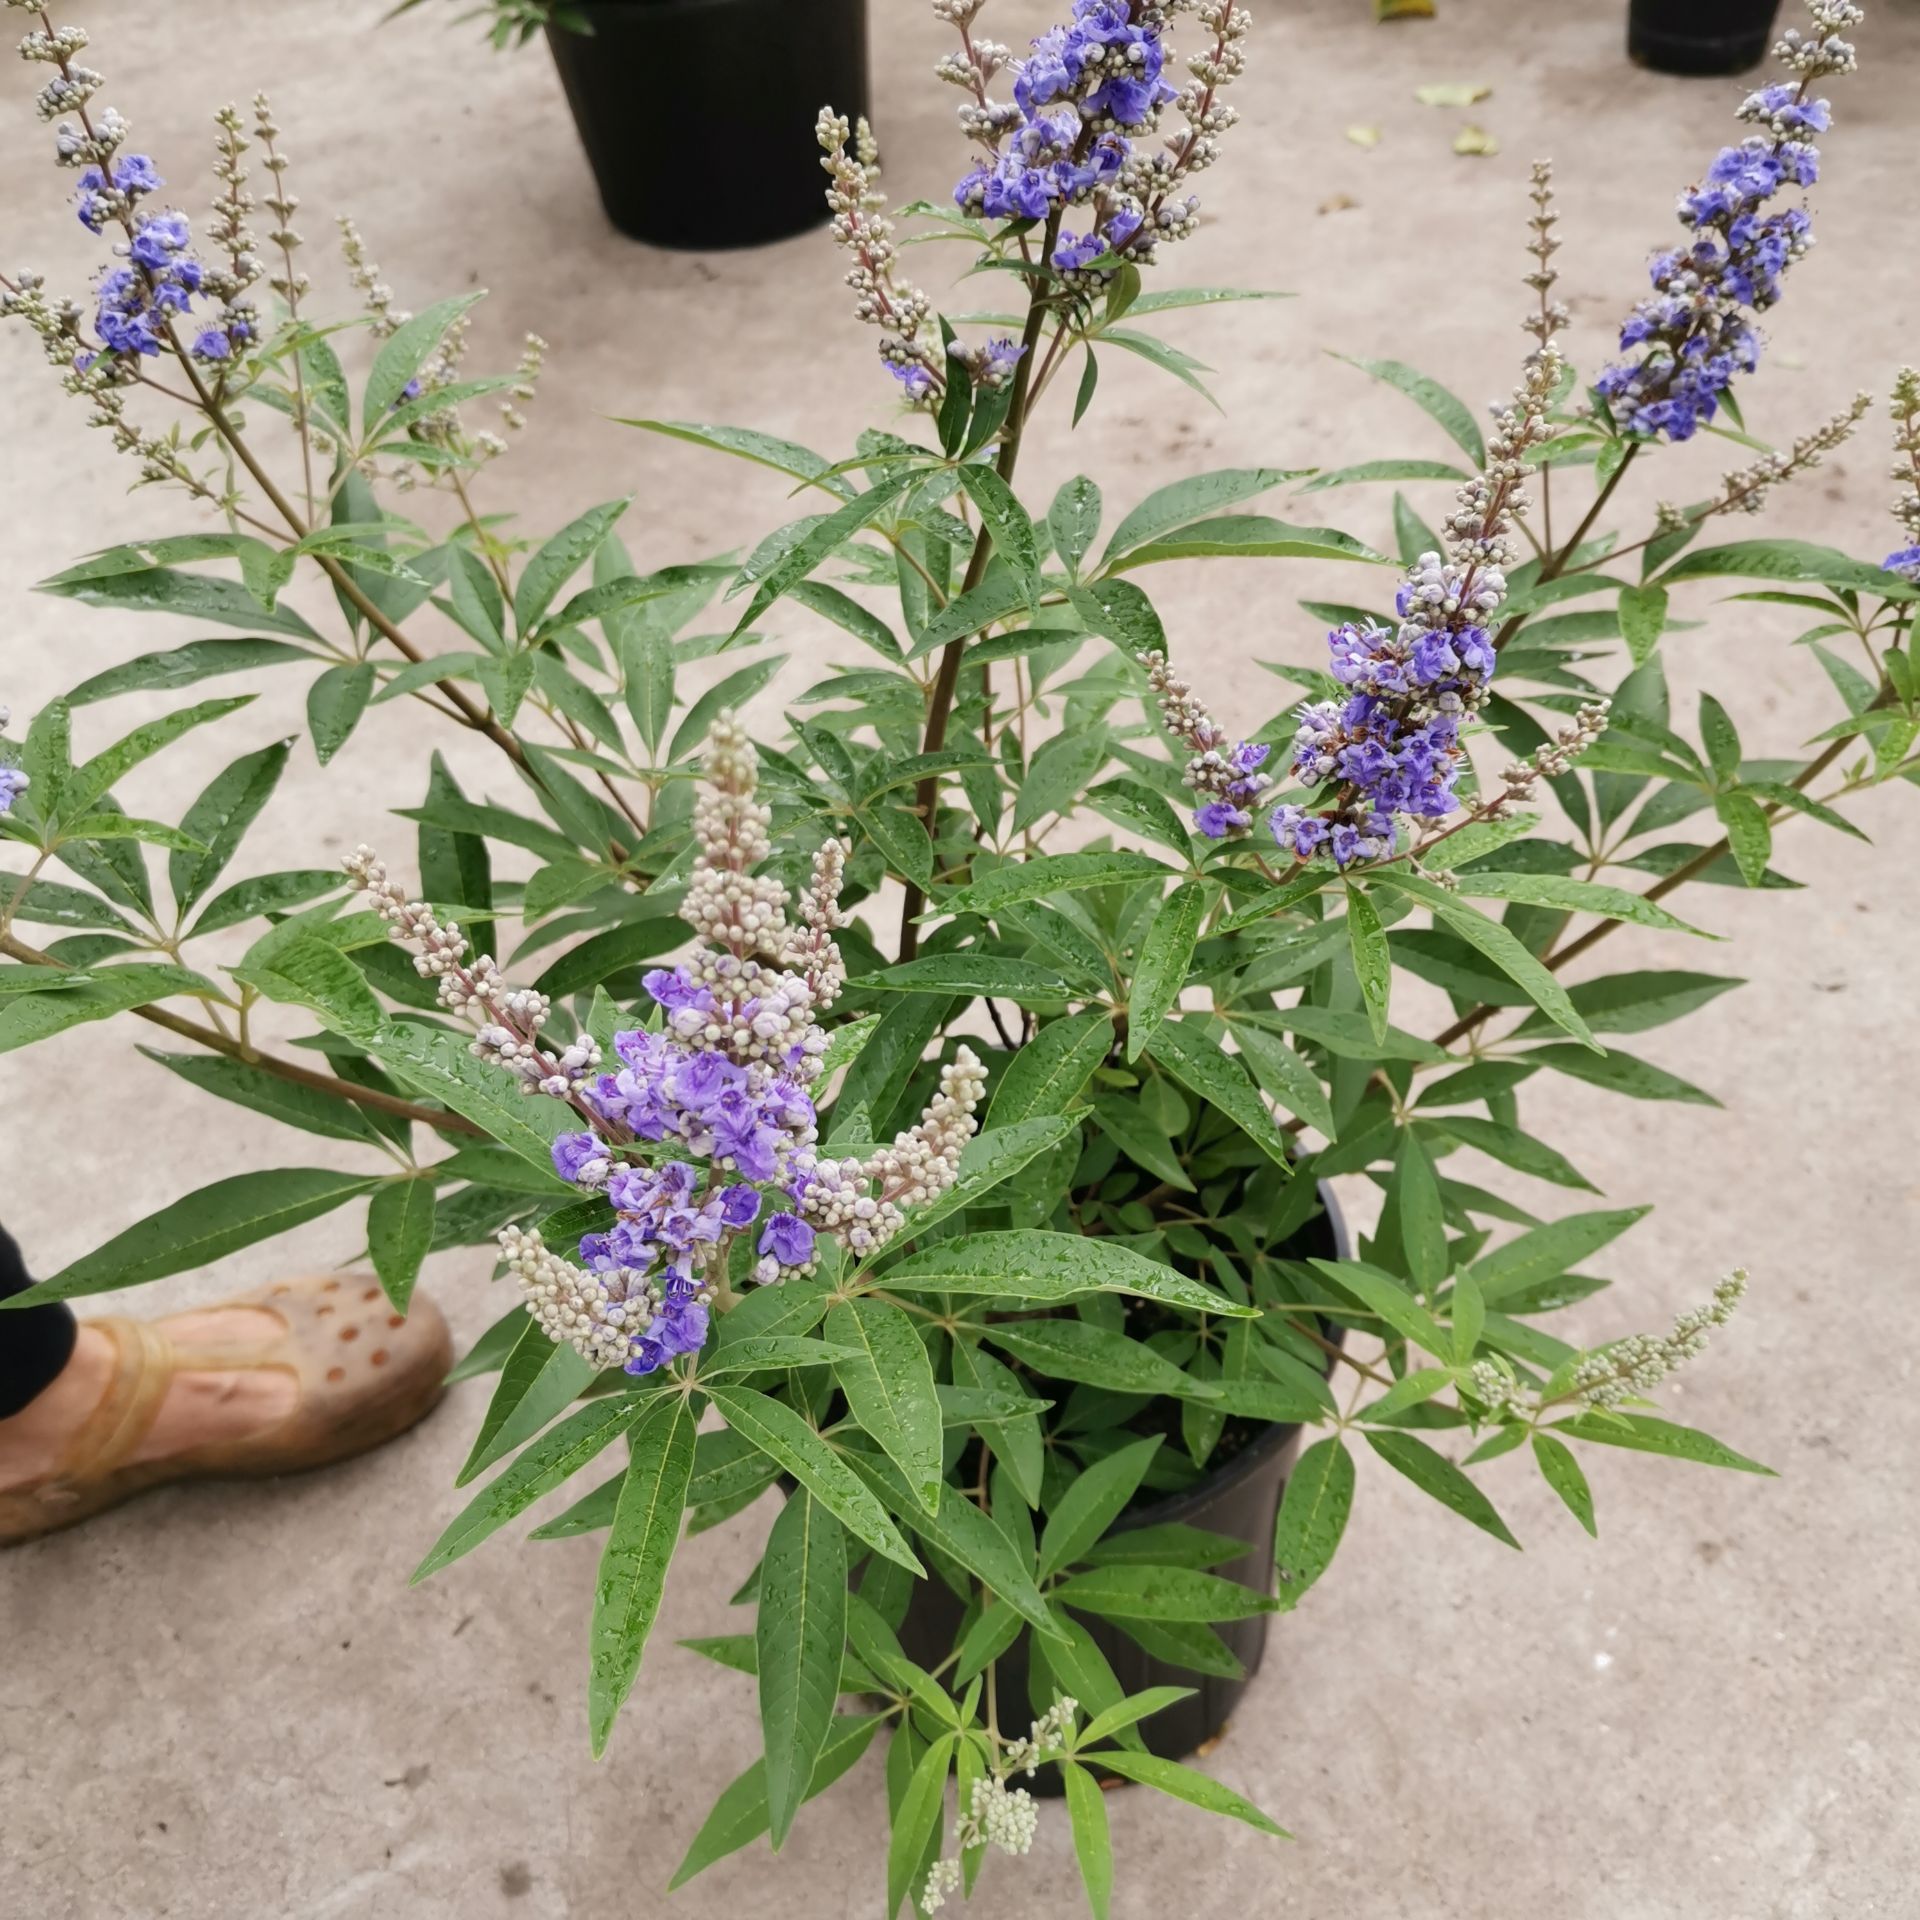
[1475,140]
[1403,9]
[1339,203]
[1364,136]
[1452,93]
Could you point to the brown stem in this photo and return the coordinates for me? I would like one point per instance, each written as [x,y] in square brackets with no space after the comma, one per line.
[940,707]
[216,1042]
[1557,565]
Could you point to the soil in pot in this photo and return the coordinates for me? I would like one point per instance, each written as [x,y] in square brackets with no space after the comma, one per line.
[698,115]
[1237,1496]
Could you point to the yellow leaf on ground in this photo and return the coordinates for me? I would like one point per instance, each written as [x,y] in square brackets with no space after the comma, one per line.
[1452,93]
[1475,140]
[1364,136]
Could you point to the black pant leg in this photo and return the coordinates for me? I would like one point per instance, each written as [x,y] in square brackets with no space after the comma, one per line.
[35,1342]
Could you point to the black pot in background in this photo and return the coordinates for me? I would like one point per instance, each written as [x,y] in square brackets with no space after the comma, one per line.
[1240,1499]
[1700,36]
[698,115]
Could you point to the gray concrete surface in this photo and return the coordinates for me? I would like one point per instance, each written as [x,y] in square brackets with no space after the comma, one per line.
[222,1703]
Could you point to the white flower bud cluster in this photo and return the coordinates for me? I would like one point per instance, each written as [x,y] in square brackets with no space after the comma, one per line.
[68,91]
[1746,488]
[1053,1729]
[1210,773]
[1486,505]
[921,1164]
[758,1015]
[1633,1367]
[814,953]
[943,1877]
[1906,444]
[1550,760]
[1553,315]
[1822,51]
[511,1016]
[956,13]
[364,272]
[62,43]
[859,224]
[726,905]
[597,1314]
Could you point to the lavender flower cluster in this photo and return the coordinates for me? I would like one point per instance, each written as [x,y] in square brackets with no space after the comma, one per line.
[1393,746]
[1905,560]
[135,303]
[13,783]
[1082,99]
[1693,331]
[721,1077]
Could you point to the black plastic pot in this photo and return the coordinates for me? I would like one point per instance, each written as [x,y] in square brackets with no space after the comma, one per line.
[698,115]
[1700,36]
[1240,1499]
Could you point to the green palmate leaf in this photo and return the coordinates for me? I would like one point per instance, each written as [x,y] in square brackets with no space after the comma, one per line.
[1092,1842]
[1047,1074]
[1058,775]
[888,1381]
[1643,617]
[560,559]
[1748,834]
[1544,1253]
[93,781]
[1414,1197]
[1136,1707]
[992,1157]
[733,691]
[438,1065]
[1385,1297]
[1454,415]
[46,903]
[1166,956]
[964,1533]
[877,1078]
[552,1459]
[1780,560]
[1118,609]
[1187,1645]
[1514,1148]
[303,1107]
[1161,1593]
[121,826]
[205,1226]
[1565,894]
[740,1816]
[1561,1471]
[1412,1391]
[1040,879]
[193,596]
[1383,470]
[1014,538]
[1622,1073]
[83,997]
[1284,1077]
[633,1565]
[845,1044]
[783,1435]
[1184,1783]
[1001,593]
[1141,1138]
[335,703]
[916,1820]
[1221,1080]
[1643,1433]
[1030,1264]
[404,353]
[1372,959]
[308,971]
[220,817]
[541,1377]
[800,1639]
[771,1352]
[903,841]
[1186,501]
[1092,1502]
[183,667]
[823,539]
[1023,981]
[1074,1350]
[1251,536]
[1500,946]
[1313,1517]
[1073,520]
[763,449]
[1434,1473]
[1636,1002]
[399,1232]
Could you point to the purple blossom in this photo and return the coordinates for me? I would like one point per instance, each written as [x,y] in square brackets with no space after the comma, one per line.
[679,1326]
[582,1158]
[1218,820]
[915,378]
[13,783]
[788,1239]
[739,1206]
[1905,562]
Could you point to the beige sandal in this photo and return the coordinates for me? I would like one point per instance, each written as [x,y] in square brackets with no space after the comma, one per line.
[365,1374]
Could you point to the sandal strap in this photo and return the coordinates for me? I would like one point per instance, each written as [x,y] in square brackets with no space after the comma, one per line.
[147,1363]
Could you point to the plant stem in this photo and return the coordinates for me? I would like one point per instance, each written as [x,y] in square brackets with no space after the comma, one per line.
[947,681]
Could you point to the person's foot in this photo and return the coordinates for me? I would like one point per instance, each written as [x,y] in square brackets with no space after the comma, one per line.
[199,1408]
[301,1374]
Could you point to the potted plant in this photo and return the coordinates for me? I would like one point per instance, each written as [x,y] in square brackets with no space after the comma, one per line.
[720,161]
[916,1120]
[1700,36]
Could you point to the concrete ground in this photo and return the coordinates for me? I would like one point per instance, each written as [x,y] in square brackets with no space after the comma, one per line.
[224,1702]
